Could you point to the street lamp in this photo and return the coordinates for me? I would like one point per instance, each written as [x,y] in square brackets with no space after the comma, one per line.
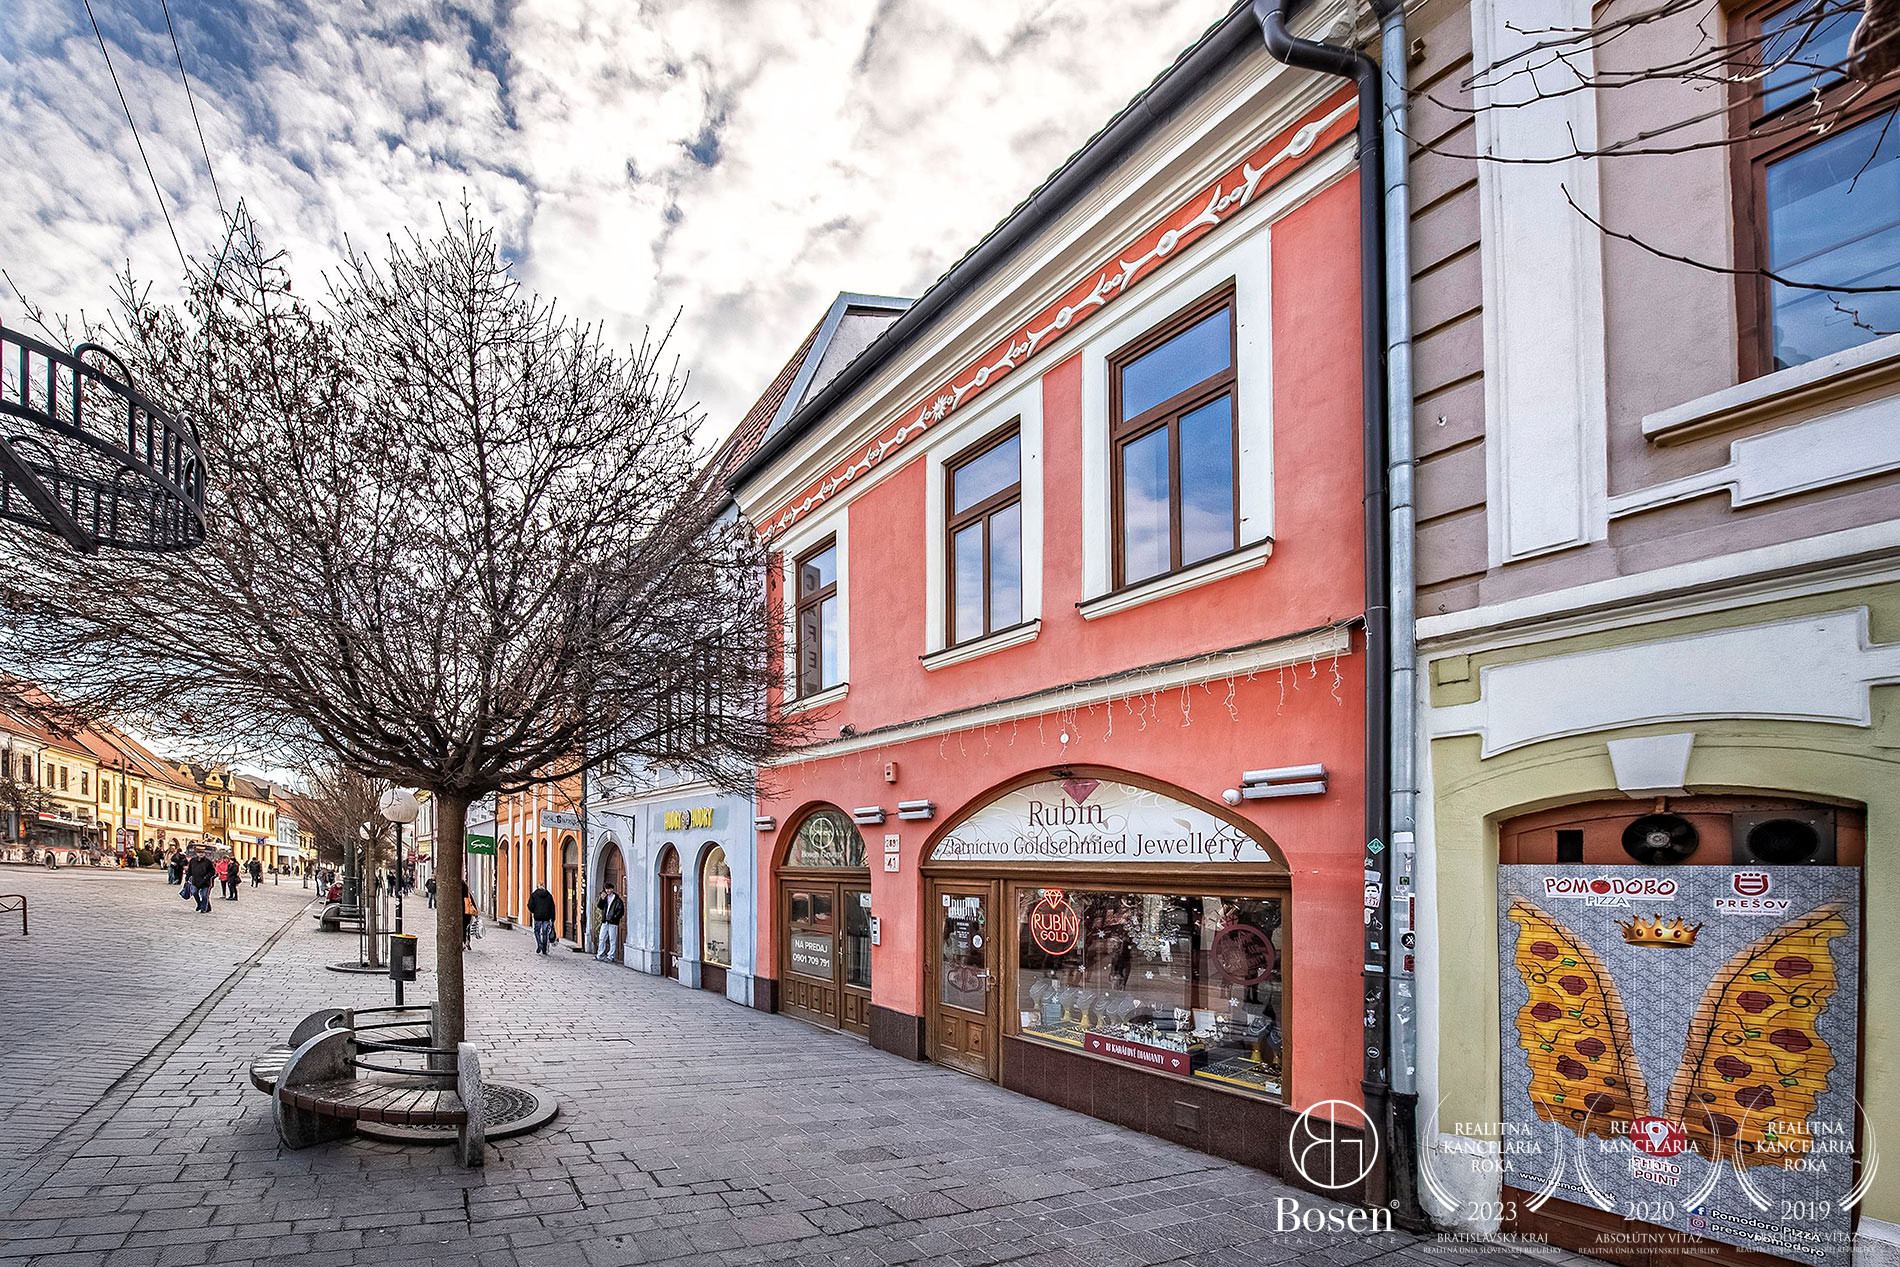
[399,806]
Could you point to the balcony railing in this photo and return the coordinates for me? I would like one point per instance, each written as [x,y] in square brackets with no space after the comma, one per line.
[84,456]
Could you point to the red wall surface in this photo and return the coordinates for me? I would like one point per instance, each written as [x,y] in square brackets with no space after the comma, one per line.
[1199,738]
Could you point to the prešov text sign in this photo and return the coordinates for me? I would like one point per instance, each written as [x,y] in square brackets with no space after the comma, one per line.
[1096,821]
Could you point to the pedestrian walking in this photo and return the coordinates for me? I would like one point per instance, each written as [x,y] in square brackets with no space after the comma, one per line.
[199,873]
[429,888]
[257,873]
[468,921]
[612,911]
[541,911]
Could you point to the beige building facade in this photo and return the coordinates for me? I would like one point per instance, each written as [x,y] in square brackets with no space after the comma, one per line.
[1658,546]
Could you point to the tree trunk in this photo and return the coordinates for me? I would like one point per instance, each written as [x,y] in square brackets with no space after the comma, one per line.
[451,827]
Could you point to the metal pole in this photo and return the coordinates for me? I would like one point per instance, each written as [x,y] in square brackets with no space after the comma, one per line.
[398,904]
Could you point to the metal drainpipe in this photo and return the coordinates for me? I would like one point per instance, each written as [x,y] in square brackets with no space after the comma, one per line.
[1403,1006]
[1347,63]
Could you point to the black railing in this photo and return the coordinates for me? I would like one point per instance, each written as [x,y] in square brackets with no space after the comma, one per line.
[97,463]
[11,902]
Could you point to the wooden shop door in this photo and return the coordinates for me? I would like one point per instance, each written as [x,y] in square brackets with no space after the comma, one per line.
[808,951]
[965,971]
[670,913]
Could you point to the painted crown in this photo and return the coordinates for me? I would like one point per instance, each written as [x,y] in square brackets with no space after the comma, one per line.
[1656,931]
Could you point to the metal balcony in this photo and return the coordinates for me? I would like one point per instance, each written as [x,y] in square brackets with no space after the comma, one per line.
[84,456]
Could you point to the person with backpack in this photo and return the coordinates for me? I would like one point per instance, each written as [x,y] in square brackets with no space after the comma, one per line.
[429,888]
[612,910]
[541,911]
[198,874]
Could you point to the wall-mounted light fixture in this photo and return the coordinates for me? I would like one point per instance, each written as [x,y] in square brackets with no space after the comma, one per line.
[1291,780]
[916,811]
[765,822]
[868,815]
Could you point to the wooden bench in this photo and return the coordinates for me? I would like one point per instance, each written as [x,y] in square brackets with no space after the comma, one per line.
[340,1069]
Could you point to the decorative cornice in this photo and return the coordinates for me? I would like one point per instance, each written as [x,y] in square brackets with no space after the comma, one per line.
[1265,167]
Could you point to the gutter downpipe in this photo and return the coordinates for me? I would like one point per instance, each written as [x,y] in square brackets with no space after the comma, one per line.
[1394,53]
[1383,1184]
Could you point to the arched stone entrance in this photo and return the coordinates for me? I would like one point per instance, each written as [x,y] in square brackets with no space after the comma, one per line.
[570,890]
[612,871]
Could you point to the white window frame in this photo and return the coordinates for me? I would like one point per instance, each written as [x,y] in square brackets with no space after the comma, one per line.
[964,430]
[795,544]
[1247,261]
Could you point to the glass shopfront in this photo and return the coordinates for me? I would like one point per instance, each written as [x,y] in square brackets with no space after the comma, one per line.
[1092,920]
[1187,984]
[715,920]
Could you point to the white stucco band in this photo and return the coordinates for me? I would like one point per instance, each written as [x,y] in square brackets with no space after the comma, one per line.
[1812,668]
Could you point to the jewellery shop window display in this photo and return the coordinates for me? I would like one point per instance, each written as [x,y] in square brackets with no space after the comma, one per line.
[1182,983]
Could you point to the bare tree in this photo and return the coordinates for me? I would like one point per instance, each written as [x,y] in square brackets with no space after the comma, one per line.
[455,540]
[1822,62]
[341,804]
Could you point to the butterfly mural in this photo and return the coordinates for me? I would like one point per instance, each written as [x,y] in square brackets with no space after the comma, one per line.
[1754,1061]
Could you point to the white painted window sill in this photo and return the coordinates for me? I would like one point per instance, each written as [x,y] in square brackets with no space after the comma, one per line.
[1014,636]
[830,695]
[1772,395]
[1233,563]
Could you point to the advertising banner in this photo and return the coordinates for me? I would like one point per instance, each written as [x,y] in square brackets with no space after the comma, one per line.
[1679,1048]
[1096,821]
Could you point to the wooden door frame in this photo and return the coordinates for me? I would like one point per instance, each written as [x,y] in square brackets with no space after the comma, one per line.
[934,888]
[808,880]
[669,958]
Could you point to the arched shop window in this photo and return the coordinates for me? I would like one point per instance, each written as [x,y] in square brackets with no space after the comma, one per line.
[715,909]
[827,838]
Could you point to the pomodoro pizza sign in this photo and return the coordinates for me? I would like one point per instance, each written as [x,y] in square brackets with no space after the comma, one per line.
[1096,821]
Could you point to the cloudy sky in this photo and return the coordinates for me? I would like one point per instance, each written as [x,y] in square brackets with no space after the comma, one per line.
[739,161]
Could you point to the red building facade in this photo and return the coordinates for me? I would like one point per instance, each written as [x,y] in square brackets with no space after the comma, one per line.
[1070,568]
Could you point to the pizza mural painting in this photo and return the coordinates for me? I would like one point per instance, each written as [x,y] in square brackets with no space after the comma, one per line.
[1617,978]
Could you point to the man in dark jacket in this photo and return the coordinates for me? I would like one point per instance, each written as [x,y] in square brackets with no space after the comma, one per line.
[612,910]
[541,911]
[200,871]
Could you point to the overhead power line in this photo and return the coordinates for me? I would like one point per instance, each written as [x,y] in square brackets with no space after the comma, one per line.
[193,101]
[136,138]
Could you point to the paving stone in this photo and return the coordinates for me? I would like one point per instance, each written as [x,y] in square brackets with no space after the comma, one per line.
[692,1131]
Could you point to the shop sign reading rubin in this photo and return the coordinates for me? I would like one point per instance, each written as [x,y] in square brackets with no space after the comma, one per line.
[1095,821]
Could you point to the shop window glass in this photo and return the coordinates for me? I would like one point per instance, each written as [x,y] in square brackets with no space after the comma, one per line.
[1189,974]
[827,838]
[715,914]
[857,939]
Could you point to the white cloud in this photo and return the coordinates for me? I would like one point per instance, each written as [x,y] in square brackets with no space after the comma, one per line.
[740,161]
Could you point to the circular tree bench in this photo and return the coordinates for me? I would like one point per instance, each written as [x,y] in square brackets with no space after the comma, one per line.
[340,1069]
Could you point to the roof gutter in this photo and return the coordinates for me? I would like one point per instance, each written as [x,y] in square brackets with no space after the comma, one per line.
[1226,43]
[1391,1184]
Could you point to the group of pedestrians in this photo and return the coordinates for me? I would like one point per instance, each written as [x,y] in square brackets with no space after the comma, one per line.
[196,873]
[610,908]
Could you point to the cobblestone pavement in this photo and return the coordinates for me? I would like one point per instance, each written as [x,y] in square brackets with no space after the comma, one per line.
[691,1130]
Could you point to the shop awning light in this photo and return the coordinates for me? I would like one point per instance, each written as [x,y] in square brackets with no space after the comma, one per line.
[916,811]
[1292,780]
[868,815]
[765,822]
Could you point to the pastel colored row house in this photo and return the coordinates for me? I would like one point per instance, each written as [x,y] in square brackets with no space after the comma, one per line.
[1070,565]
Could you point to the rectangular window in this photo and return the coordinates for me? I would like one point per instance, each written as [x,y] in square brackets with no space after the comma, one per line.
[1818,171]
[85,783]
[983,506]
[816,626]
[1174,443]
[1181,983]
[62,778]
